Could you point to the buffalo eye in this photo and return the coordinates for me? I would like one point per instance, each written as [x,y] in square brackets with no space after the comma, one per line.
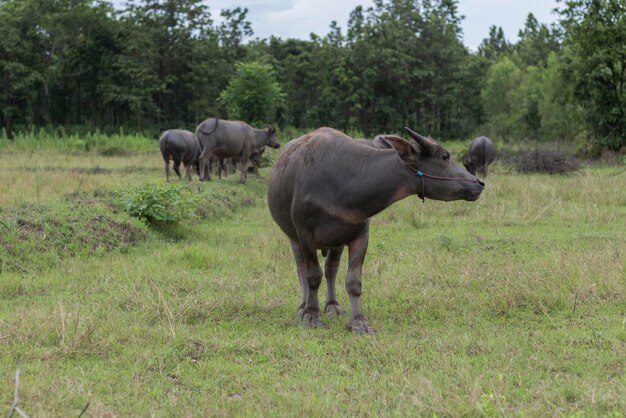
[446,156]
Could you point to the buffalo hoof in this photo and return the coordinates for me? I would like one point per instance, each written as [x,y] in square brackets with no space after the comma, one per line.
[360,327]
[300,313]
[333,308]
[312,320]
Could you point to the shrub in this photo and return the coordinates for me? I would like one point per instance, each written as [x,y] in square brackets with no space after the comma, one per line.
[543,161]
[158,203]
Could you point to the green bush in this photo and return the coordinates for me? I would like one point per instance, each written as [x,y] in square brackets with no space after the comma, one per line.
[154,203]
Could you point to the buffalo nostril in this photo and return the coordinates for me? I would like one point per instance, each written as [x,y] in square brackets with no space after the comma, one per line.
[481,183]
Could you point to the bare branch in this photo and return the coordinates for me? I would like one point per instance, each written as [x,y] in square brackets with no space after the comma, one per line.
[16,396]
[84,409]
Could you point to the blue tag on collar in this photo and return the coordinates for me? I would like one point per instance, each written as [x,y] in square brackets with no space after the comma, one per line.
[419,173]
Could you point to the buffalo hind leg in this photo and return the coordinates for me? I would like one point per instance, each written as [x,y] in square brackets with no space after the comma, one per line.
[301,270]
[356,250]
[205,166]
[167,171]
[310,279]
[188,171]
[330,271]
[177,168]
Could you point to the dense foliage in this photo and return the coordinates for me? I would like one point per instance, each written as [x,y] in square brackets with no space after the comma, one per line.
[154,203]
[253,93]
[158,64]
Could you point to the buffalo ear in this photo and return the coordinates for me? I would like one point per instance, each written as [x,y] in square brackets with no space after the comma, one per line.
[379,142]
[401,145]
[427,145]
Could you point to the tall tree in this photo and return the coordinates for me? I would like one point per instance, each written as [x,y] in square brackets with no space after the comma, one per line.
[166,31]
[561,115]
[20,71]
[496,45]
[595,36]
[253,94]
[536,42]
[504,108]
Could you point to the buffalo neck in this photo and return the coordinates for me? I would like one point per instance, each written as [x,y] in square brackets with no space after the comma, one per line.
[379,184]
[259,137]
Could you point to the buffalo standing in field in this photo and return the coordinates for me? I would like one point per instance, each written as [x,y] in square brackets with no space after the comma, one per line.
[482,152]
[325,187]
[231,139]
[179,146]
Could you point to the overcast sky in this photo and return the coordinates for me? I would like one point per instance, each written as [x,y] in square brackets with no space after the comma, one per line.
[298,18]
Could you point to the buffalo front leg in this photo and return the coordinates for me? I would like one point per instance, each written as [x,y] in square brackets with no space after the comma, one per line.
[356,250]
[223,167]
[243,166]
[330,271]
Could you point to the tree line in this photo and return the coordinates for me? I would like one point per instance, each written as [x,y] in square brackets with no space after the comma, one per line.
[157,64]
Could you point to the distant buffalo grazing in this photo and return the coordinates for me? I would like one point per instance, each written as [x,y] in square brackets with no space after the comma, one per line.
[180,146]
[482,152]
[231,139]
[257,158]
[221,165]
[325,187]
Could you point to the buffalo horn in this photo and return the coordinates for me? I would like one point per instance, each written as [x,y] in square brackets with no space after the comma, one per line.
[426,144]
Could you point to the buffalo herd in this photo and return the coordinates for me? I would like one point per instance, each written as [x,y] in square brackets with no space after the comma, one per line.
[325,187]
[216,142]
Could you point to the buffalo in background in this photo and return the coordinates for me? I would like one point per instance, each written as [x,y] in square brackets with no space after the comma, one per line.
[231,139]
[179,146]
[482,152]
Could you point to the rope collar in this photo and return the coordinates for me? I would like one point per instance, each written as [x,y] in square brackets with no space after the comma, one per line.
[421,175]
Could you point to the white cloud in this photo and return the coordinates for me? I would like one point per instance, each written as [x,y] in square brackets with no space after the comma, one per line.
[509,14]
[300,18]
[292,18]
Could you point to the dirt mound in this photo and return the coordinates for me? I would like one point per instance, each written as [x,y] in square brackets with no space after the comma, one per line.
[40,236]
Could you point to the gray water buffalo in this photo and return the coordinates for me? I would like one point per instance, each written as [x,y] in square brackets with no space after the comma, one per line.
[482,152]
[179,146]
[231,139]
[325,187]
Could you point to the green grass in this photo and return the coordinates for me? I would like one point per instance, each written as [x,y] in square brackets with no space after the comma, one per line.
[512,305]
[106,145]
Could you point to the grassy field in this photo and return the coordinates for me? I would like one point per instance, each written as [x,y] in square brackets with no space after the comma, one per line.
[514,305]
